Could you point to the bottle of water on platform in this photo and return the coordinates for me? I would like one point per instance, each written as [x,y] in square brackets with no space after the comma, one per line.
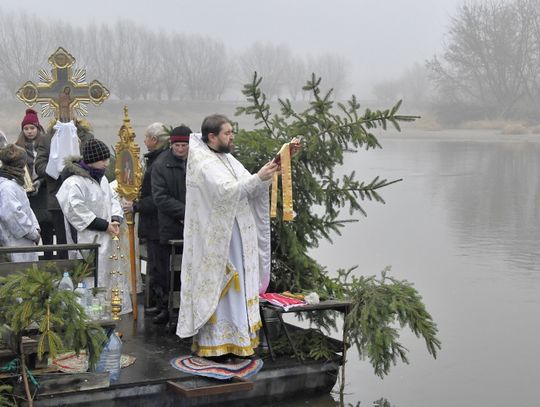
[109,360]
[87,296]
[65,282]
[81,295]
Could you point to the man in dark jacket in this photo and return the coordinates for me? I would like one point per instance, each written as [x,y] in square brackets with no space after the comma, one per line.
[156,141]
[169,192]
[43,150]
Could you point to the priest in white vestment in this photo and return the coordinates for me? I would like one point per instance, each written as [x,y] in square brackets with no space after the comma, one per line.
[226,258]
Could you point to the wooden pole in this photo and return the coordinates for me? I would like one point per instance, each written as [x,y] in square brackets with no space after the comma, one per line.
[133,271]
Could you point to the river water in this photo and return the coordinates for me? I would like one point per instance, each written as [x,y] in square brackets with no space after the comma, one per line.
[464,226]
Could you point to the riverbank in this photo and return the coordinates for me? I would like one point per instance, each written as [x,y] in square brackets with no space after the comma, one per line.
[107,119]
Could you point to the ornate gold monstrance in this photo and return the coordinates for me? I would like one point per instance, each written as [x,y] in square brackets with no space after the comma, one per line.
[128,171]
[63,91]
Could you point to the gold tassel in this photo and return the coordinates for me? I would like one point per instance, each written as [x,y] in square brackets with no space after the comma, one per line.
[273,198]
[286,186]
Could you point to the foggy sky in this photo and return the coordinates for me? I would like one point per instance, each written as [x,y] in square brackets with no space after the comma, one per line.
[380,38]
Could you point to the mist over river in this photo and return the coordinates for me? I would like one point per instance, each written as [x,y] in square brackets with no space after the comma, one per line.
[464,226]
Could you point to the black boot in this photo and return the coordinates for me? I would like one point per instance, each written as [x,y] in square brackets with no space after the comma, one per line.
[162,317]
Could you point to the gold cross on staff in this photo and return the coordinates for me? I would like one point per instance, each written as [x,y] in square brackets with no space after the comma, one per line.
[62,91]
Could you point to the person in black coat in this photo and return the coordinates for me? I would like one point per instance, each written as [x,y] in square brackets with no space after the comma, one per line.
[169,193]
[29,137]
[156,141]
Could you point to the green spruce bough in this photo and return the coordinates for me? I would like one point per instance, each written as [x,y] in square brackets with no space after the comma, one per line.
[31,300]
[329,130]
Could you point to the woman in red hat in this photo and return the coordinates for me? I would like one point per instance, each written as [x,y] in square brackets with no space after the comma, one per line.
[31,133]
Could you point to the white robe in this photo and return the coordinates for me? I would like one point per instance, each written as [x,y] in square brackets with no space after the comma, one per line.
[226,259]
[82,199]
[18,224]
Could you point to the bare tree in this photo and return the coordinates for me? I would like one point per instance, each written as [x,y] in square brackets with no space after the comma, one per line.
[333,69]
[139,63]
[25,44]
[207,66]
[295,77]
[413,86]
[170,68]
[270,61]
[491,58]
[387,91]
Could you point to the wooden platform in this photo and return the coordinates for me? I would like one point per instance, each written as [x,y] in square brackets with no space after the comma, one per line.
[145,383]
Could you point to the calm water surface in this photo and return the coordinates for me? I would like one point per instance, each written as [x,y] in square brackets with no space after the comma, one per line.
[464,226]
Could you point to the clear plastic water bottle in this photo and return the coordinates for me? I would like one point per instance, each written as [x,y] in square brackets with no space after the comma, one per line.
[81,298]
[87,295]
[66,283]
[109,361]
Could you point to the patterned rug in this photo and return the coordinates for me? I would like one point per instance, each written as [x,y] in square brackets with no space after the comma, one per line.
[204,367]
[69,362]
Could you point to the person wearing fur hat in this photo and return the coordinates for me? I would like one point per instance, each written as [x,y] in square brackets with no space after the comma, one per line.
[84,133]
[29,137]
[169,193]
[87,202]
[18,224]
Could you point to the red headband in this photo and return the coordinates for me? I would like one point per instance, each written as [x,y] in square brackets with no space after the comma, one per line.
[179,138]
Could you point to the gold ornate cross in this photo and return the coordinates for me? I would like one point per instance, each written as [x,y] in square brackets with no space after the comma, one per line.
[62,91]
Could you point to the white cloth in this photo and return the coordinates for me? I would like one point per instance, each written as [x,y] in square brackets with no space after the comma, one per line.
[18,224]
[226,245]
[64,143]
[82,199]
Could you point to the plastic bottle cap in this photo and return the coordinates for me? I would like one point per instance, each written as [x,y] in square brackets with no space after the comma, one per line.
[66,274]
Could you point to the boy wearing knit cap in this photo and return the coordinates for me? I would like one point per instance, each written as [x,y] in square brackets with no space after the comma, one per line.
[87,202]
[169,193]
[18,224]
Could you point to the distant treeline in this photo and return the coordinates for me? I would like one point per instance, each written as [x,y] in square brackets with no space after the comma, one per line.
[489,67]
[135,62]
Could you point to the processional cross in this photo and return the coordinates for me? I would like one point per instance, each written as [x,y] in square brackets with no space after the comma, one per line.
[63,92]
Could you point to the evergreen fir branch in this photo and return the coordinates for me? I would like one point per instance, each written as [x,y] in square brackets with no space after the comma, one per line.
[259,108]
[32,297]
[371,323]
[381,307]
[6,396]
[168,129]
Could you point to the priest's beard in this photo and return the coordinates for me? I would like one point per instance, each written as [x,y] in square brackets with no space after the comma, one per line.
[225,148]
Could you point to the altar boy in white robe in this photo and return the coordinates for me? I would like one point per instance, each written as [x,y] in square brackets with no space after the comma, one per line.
[88,204]
[226,259]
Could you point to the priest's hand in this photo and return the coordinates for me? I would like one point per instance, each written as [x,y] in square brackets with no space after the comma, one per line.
[127,206]
[113,229]
[268,170]
[295,146]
